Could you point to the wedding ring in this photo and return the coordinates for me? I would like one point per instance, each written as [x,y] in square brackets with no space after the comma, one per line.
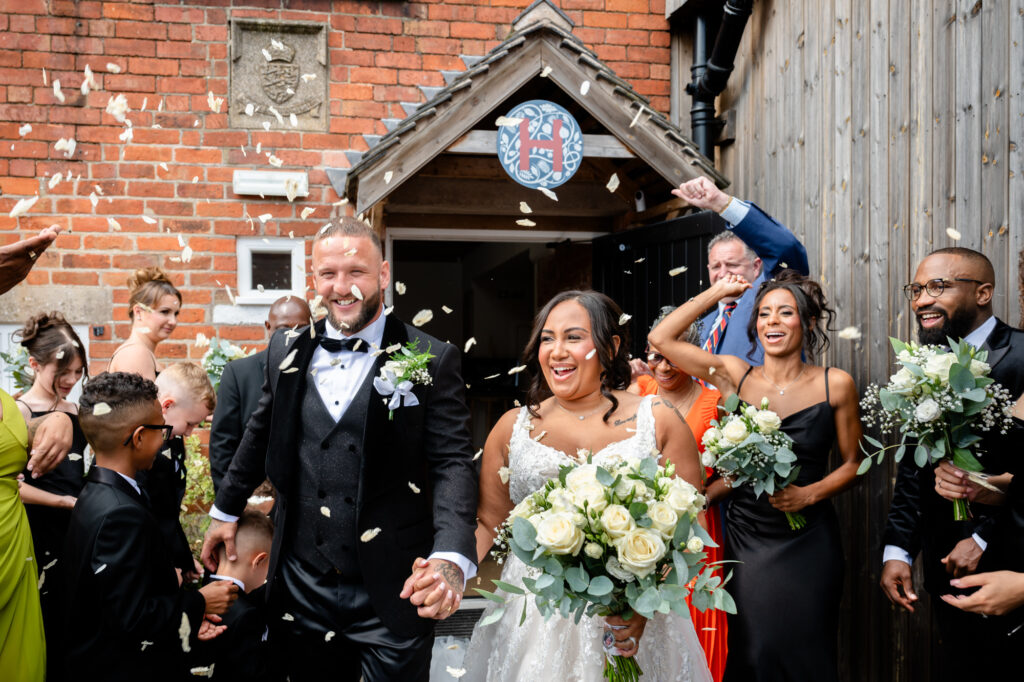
[633,640]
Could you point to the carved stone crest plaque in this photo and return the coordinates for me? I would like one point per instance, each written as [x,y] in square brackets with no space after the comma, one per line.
[278,75]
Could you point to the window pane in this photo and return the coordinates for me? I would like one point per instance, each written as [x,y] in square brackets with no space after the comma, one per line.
[272,270]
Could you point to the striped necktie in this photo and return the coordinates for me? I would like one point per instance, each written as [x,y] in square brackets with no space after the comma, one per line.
[711,345]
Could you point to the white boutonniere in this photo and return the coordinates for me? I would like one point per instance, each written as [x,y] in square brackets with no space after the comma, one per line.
[403,370]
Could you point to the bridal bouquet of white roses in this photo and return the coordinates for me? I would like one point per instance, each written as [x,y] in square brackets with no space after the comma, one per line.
[221,352]
[612,537]
[747,447]
[942,398]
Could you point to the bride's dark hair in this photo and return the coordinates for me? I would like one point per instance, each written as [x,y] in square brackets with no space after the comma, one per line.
[815,315]
[604,317]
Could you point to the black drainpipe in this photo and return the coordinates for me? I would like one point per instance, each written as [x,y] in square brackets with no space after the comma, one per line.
[710,75]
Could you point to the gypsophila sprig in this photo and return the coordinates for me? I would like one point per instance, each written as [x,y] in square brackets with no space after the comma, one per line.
[221,352]
[612,535]
[403,370]
[942,398]
[747,447]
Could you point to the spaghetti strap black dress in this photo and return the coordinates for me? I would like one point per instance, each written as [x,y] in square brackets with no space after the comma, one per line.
[788,584]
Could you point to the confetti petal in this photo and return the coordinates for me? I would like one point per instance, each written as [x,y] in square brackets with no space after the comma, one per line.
[517,369]
[113,68]
[849,333]
[503,474]
[215,102]
[548,193]
[400,288]
[288,359]
[387,177]
[55,180]
[275,162]
[326,511]
[446,309]
[526,222]
[264,217]
[636,119]
[113,225]
[98,410]
[356,292]
[117,106]
[422,317]
[508,121]
[23,206]
[584,87]
[184,632]
[953,234]
[294,120]
[413,487]
[67,146]
[288,617]
[306,212]
[370,534]
[478,453]
[545,72]
[613,183]
[593,351]
[307,77]
[56,91]
[329,636]
[677,271]
[266,54]
[470,342]
[524,207]
[25,130]
[144,642]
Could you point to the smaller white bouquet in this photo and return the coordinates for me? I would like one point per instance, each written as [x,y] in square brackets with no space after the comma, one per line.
[614,536]
[942,398]
[221,352]
[748,447]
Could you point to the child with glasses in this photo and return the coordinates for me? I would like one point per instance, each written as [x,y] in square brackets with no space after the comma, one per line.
[186,398]
[127,616]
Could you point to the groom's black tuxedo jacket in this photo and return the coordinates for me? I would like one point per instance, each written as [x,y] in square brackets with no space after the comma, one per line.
[921,520]
[427,443]
[123,607]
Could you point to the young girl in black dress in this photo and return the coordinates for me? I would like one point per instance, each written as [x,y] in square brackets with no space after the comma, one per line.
[788,583]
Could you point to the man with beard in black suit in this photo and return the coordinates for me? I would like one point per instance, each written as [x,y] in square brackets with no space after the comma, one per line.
[951,296]
[367,484]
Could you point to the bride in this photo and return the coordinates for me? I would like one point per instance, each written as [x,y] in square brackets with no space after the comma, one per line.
[576,405]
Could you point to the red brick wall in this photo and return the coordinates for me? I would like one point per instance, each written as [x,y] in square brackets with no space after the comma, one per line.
[379,52]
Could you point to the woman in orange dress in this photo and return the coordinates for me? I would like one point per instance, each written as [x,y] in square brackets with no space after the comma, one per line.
[700,405]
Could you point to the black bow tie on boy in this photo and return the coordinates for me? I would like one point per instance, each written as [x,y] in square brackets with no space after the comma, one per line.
[352,343]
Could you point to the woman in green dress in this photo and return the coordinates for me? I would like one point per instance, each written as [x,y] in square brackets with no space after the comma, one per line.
[22,644]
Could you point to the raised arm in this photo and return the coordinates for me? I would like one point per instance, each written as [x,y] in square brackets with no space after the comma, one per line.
[724,371]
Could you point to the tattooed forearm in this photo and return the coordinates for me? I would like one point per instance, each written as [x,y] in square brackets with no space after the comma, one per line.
[451,574]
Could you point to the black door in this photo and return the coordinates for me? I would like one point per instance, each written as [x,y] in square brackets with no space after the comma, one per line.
[634,267]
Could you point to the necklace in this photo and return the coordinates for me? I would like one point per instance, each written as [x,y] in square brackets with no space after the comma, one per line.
[579,416]
[782,389]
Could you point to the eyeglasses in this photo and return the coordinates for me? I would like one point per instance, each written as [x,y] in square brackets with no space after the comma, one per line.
[657,358]
[934,287]
[168,429]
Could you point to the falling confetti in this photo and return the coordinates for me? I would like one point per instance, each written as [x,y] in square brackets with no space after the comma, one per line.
[356,292]
[640,260]
[288,359]
[329,636]
[953,234]
[446,309]
[545,72]
[470,342]
[288,617]
[113,68]
[215,102]
[548,193]
[524,207]
[148,220]
[145,644]
[422,317]
[89,82]
[503,474]
[677,271]
[98,410]
[291,188]
[93,199]
[113,225]
[493,376]
[56,91]
[400,288]
[526,222]
[55,180]
[455,672]
[23,206]
[711,371]
[849,333]
[265,217]
[117,107]
[25,130]
[326,511]
[413,487]
[613,183]
[539,436]
[636,119]
[351,252]
[508,121]
[593,351]
[370,534]
[387,177]
[186,254]
[584,87]
[275,162]
[307,77]
[231,296]
[184,632]
[624,318]
[517,369]
[306,212]
[266,54]
[67,146]
[478,453]
[294,120]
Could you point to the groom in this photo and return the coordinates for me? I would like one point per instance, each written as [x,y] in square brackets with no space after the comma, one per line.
[361,494]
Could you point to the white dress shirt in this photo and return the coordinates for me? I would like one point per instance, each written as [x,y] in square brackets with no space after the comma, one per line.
[977,339]
[131,481]
[241,585]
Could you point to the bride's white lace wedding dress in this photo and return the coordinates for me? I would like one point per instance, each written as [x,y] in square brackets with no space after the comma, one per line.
[558,649]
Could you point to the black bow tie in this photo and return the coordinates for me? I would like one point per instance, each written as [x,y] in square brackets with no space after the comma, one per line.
[352,343]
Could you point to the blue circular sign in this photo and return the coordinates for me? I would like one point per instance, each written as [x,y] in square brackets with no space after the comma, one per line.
[541,144]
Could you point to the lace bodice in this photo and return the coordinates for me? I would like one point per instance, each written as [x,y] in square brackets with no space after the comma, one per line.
[531,463]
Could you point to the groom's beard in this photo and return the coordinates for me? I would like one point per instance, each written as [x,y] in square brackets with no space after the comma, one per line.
[368,308]
[955,326]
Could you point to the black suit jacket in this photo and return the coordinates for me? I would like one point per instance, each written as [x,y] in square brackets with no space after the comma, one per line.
[164,483]
[238,396]
[428,445]
[921,521]
[239,654]
[123,608]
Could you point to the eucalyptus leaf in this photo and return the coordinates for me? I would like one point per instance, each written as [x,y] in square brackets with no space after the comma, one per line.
[604,477]
[493,617]
[496,598]
[864,466]
[731,403]
[600,586]
[524,533]
[508,587]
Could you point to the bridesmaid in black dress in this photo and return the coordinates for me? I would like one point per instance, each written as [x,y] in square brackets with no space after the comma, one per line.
[788,584]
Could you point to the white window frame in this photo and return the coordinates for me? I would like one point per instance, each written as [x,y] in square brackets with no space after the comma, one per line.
[246,246]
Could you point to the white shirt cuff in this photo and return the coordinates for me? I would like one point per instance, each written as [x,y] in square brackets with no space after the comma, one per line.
[894,553]
[981,543]
[221,516]
[735,212]
[467,566]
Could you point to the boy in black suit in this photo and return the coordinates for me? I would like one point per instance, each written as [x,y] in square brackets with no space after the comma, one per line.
[125,615]
[240,654]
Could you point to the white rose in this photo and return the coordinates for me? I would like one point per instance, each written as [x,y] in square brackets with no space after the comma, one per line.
[750,411]
[926,411]
[937,366]
[393,366]
[632,486]
[710,436]
[979,368]
[663,519]
[902,381]
[585,473]
[616,570]
[905,356]
[707,459]
[640,550]
[592,493]
[694,544]
[735,431]
[562,501]
[617,521]
[558,534]
[681,496]
[593,550]
[524,509]
[767,421]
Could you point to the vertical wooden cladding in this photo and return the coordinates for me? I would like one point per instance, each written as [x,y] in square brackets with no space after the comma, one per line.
[870,127]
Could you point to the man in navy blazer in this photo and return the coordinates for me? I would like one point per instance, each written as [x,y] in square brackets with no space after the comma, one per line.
[754,245]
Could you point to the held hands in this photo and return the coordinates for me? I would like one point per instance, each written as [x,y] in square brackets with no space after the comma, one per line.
[792,498]
[703,194]
[964,558]
[951,482]
[730,286]
[627,633]
[1000,593]
[896,575]
[219,533]
[50,440]
[435,587]
[219,596]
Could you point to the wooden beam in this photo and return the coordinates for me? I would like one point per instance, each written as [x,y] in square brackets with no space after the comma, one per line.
[473,224]
[486,142]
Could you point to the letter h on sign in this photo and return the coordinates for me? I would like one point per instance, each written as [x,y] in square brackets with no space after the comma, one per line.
[526,145]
